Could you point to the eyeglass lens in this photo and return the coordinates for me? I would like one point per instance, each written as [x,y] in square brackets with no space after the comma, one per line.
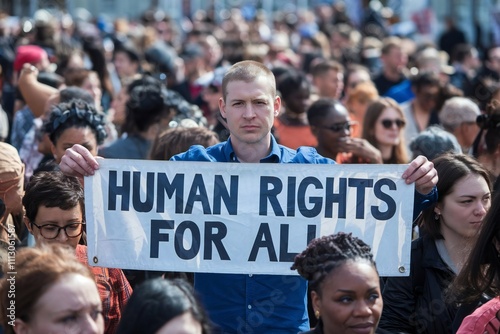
[387,123]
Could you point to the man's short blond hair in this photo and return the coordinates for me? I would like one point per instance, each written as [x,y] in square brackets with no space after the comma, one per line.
[248,71]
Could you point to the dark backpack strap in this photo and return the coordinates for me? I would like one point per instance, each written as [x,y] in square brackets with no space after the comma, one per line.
[417,272]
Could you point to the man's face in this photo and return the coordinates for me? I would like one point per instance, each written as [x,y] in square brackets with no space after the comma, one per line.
[125,67]
[299,100]
[57,217]
[396,59]
[427,97]
[250,109]
[330,84]
[494,60]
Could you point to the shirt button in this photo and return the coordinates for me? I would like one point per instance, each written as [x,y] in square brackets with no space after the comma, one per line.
[250,275]
[249,307]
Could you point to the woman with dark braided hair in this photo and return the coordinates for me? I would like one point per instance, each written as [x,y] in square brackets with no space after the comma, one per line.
[146,115]
[75,122]
[344,284]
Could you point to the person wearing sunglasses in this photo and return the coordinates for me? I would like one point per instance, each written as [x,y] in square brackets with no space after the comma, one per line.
[331,124]
[383,127]
[54,207]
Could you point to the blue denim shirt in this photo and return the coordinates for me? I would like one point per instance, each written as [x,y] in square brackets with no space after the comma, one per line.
[254,303]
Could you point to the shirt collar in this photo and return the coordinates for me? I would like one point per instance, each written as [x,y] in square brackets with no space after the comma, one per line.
[273,157]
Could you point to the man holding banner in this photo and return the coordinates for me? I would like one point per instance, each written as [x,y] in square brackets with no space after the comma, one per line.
[250,303]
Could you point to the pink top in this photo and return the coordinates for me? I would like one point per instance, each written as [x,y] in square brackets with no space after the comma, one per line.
[484,319]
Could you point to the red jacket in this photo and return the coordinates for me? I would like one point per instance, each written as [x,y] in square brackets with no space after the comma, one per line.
[114,290]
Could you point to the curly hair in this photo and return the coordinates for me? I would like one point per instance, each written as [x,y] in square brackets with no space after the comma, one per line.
[327,253]
[145,106]
[75,114]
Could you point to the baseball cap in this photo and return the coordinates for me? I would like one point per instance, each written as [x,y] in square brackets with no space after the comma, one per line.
[28,54]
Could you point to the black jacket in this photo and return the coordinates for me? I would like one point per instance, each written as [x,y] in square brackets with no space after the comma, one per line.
[415,304]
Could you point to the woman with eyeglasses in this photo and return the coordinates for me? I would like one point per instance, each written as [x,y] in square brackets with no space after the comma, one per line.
[448,232]
[383,127]
[54,207]
[332,126]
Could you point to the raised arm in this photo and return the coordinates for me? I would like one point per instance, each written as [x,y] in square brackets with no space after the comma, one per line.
[34,93]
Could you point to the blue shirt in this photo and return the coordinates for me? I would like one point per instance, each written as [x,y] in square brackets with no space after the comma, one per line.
[258,303]
[254,303]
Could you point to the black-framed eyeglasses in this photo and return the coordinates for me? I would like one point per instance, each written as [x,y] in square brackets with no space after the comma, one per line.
[337,127]
[51,231]
[387,123]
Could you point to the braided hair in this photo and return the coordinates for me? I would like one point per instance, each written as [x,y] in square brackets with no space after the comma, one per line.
[327,253]
[75,114]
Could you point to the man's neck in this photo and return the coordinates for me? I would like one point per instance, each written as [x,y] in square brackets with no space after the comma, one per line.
[252,152]
[392,75]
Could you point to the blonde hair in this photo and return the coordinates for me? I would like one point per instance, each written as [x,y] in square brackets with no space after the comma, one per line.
[363,92]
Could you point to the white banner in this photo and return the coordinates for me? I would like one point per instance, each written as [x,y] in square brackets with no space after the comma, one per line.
[242,218]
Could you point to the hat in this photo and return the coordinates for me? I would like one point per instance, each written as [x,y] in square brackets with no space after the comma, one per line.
[458,110]
[28,54]
[11,178]
[11,166]
[433,142]
[192,51]
[434,60]
[162,56]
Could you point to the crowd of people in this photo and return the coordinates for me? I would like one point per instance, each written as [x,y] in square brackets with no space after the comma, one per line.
[316,90]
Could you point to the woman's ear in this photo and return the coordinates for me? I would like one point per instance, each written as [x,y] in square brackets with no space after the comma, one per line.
[21,327]
[28,224]
[316,301]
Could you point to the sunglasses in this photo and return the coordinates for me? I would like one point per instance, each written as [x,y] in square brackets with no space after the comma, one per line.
[387,123]
[337,127]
